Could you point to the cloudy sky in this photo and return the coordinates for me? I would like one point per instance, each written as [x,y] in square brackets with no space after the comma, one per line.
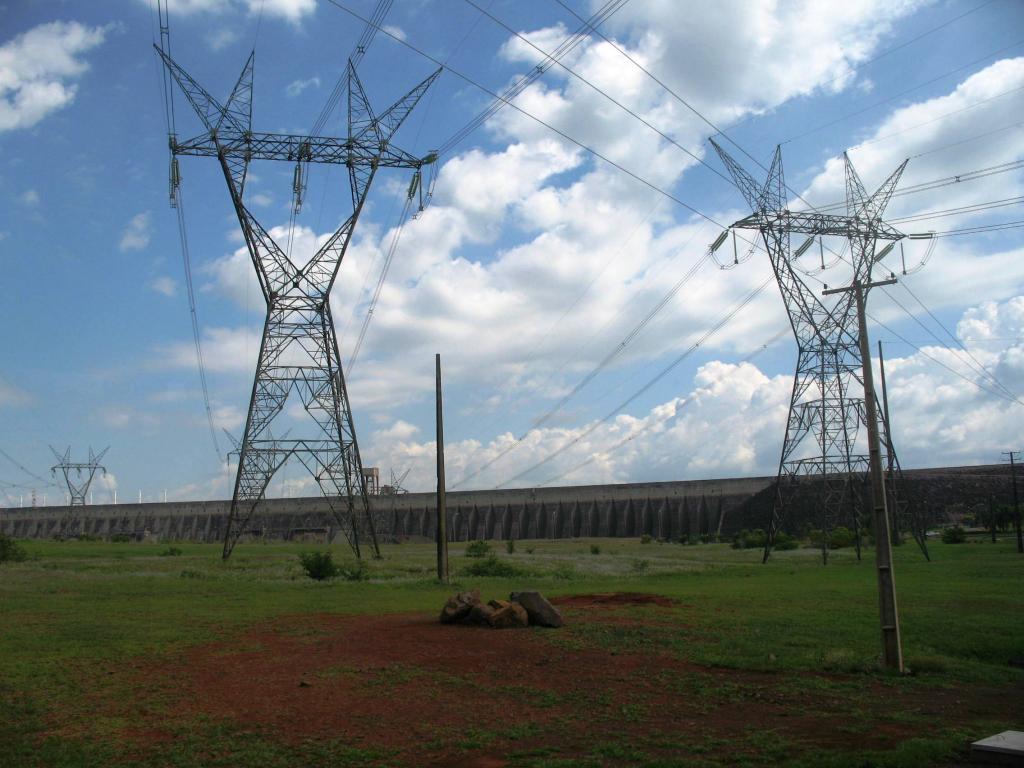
[560,267]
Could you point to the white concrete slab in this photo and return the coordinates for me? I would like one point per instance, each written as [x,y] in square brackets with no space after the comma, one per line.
[1007,748]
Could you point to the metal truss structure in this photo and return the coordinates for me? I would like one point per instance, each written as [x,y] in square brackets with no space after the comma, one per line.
[78,476]
[299,349]
[826,410]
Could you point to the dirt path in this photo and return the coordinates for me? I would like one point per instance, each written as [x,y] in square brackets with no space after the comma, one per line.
[450,695]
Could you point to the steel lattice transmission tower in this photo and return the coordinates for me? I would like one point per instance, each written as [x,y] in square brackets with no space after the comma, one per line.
[826,409]
[78,476]
[299,350]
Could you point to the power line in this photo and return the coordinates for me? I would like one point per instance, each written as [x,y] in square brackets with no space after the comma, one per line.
[945,181]
[658,422]
[380,11]
[960,344]
[610,98]
[633,175]
[935,360]
[178,203]
[884,101]
[964,209]
[967,140]
[380,283]
[980,228]
[978,103]
[604,363]
[640,392]
[27,471]
[881,55]
[565,313]
[564,48]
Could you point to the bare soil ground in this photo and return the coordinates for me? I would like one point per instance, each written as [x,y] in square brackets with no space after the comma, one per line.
[449,695]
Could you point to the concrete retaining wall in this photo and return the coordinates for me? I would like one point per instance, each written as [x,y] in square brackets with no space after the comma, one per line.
[666,510]
[662,510]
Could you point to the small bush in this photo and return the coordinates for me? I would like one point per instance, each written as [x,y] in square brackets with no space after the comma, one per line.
[784,541]
[478,549]
[121,538]
[595,549]
[510,546]
[645,539]
[357,571]
[529,550]
[841,537]
[171,552]
[755,539]
[954,535]
[491,566]
[639,566]
[318,565]
[684,539]
[11,551]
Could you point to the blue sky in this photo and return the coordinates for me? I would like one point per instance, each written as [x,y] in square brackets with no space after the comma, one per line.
[534,259]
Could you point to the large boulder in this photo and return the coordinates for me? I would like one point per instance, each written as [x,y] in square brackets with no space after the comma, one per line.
[541,612]
[479,615]
[508,615]
[459,606]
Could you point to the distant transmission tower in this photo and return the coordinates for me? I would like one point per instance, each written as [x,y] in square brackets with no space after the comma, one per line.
[826,409]
[299,351]
[78,476]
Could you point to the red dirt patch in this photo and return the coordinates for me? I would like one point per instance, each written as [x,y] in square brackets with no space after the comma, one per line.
[451,695]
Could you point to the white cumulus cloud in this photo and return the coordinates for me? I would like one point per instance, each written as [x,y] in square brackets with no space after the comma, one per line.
[136,235]
[37,70]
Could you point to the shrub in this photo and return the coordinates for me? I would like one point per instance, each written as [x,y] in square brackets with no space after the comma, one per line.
[121,538]
[684,539]
[645,539]
[954,535]
[170,552]
[639,566]
[357,571]
[318,565]
[478,549]
[529,550]
[510,546]
[842,537]
[595,549]
[493,567]
[11,551]
[784,541]
[745,539]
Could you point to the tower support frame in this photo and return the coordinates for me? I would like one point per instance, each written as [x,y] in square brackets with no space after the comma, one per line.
[827,407]
[299,352]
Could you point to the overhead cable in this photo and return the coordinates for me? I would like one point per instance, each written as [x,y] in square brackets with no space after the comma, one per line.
[640,392]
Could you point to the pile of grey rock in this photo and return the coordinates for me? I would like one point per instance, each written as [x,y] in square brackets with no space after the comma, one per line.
[522,609]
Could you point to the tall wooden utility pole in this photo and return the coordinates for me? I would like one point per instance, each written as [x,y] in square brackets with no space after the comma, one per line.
[889,451]
[892,647]
[442,512]
[1016,499]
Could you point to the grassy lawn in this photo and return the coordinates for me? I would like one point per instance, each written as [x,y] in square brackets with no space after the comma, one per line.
[791,635]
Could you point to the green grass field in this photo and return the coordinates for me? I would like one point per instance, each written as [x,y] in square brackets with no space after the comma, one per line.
[77,617]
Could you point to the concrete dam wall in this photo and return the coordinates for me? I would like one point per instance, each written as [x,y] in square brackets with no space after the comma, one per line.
[667,510]
[664,510]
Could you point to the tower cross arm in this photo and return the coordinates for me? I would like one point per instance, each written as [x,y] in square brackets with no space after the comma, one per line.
[820,224]
[292,148]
